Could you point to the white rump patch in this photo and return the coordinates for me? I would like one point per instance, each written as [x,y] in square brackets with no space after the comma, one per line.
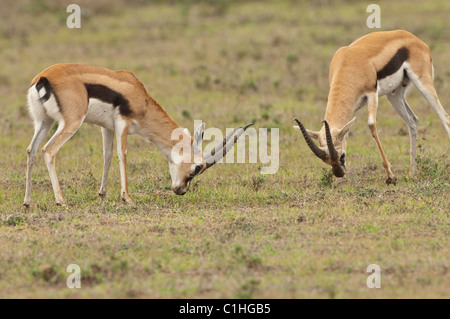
[43,110]
[52,108]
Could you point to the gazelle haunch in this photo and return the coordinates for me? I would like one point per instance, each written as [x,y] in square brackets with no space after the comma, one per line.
[118,102]
[380,63]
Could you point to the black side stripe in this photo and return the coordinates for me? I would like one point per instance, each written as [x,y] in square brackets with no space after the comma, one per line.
[394,64]
[105,94]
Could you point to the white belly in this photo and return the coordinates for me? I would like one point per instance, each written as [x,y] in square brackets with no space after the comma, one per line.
[391,82]
[108,116]
[101,113]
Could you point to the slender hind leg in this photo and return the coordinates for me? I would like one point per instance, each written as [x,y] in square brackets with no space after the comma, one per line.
[108,140]
[63,134]
[424,84]
[399,104]
[122,127]
[41,130]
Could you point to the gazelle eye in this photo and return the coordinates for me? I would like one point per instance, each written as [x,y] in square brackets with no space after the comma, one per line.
[196,171]
[342,159]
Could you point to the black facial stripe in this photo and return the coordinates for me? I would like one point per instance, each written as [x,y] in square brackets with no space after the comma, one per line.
[198,168]
[394,64]
[342,159]
[107,95]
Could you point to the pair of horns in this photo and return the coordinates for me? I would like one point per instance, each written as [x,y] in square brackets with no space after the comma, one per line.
[332,154]
[222,149]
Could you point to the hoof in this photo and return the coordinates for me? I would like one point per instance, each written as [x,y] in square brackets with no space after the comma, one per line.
[102,196]
[27,204]
[127,200]
[61,204]
[392,180]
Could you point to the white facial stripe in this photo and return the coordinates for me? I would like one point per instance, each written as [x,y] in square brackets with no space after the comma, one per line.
[174,169]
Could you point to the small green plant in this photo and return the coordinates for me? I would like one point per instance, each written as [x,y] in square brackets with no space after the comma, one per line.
[248,289]
[291,59]
[326,180]
[249,85]
[265,106]
[186,114]
[430,167]
[47,273]
[204,82]
[14,220]
[257,182]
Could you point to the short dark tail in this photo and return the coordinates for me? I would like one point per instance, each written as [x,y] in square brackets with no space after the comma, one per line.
[44,83]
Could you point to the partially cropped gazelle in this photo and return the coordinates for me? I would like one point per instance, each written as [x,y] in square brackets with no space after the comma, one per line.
[117,101]
[380,63]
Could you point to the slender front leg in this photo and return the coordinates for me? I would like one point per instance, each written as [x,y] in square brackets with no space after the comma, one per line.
[122,127]
[372,108]
[108,140]
[41,130]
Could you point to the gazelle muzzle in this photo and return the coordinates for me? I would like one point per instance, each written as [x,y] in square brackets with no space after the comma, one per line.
[331,157]
[336,167]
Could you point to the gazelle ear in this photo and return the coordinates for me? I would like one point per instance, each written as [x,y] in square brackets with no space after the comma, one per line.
[199,131]
[346,128]
[198,138]
[312,134]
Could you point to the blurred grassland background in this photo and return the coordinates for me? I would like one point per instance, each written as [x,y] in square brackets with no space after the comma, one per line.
[236,233]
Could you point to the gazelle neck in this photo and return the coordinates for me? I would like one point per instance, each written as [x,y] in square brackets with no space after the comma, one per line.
[157,126]
[342,100]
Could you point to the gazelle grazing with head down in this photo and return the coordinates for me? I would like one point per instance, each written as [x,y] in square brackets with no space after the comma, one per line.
[118,102]
[380,63]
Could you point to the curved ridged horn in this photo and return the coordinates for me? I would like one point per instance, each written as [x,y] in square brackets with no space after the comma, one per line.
[314,148]
[331,149]
[221,145]
[222,149]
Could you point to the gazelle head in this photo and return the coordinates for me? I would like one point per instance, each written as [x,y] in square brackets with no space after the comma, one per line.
[332,144]
[183,171]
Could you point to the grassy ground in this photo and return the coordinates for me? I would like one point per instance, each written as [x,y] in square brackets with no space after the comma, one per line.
[236,233]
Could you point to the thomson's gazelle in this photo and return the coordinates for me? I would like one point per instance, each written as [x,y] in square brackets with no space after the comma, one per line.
[117,101]
[380,63]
